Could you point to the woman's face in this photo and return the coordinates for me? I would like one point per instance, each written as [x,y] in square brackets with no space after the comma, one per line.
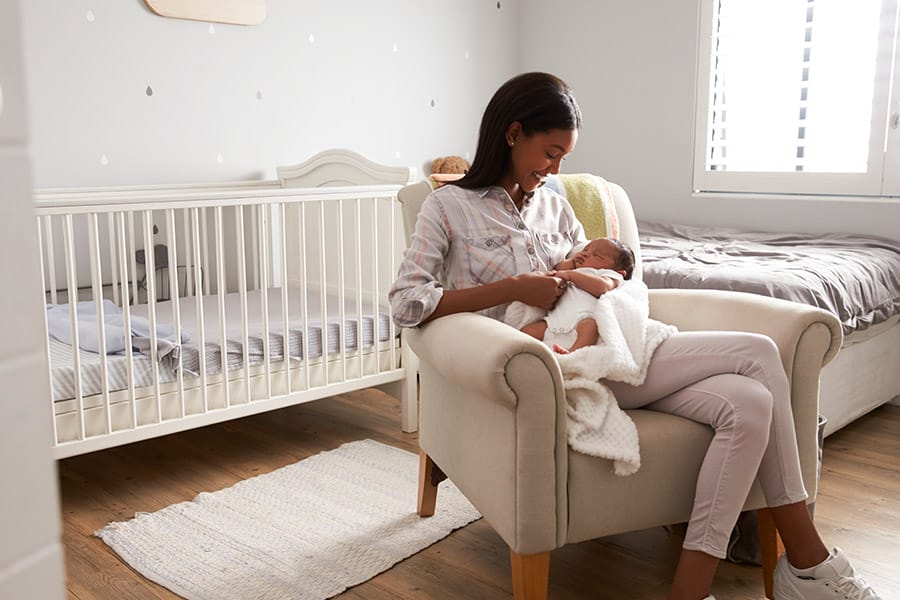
[533,157]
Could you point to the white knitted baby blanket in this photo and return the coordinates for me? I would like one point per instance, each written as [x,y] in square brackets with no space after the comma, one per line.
[628,337]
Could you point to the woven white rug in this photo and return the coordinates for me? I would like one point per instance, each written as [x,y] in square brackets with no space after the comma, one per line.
[306,531]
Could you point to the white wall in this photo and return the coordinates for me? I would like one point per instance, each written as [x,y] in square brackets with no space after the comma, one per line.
[30,550]
[230,102]
[633,68]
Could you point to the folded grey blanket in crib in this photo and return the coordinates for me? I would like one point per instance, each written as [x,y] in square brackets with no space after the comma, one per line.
[59,326]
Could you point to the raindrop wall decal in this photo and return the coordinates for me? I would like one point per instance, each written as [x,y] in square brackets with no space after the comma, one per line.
[219,158]
[396,48]
[89,16]
[259,94]
[312,38]
[149,91]
[212,29]
[432,103]
[103,160]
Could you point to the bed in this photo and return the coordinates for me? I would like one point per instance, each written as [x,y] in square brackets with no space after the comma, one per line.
[855,277]
[174,307]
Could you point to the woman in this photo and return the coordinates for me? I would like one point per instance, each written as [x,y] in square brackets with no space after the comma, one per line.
[491,238]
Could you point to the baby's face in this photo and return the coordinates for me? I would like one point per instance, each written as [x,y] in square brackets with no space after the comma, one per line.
[598,254]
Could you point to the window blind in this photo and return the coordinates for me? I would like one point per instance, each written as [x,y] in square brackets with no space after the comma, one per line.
[795,86]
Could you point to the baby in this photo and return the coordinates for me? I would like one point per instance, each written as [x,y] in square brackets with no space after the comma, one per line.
[599,267]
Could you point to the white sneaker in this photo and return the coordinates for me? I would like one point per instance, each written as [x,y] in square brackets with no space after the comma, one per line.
[834,579]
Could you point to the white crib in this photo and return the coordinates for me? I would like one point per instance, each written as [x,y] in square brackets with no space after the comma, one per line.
[183,302]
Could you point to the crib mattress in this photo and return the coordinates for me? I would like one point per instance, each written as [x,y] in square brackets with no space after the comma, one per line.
[855,277]
[305,338]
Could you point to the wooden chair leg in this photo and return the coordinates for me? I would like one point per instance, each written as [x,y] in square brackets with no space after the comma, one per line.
[530,575]
[430,475]
[770,546]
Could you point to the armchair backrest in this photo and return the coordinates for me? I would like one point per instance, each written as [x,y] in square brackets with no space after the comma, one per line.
[412,196]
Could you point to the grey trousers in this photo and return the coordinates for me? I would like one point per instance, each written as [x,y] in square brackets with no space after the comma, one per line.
[735,383]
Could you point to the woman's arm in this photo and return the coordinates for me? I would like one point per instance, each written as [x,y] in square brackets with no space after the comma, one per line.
[595,285]
[537,289]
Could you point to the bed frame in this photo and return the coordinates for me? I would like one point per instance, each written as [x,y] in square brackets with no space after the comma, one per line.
[325,234]
[863,375]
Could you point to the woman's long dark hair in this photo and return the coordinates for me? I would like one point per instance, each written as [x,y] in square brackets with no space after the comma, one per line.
[539,101]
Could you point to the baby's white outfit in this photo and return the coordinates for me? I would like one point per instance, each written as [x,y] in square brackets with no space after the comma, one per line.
[573,306]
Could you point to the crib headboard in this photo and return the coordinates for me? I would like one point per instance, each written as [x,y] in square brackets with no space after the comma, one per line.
[339,167]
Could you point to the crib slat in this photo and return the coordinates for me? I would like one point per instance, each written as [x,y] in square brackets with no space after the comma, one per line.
[254,249]
[198,299]
[392,212]
[204,242]
[51,259]
[150,278]
[171,242]
[220,270]
[110,229]
[342,322]
[72,294]
[133,256]
[304,289]
[376,295]
[285,313]
[97,293]
[242,292]
[323,291]
[126,314]
[264,287]
[189,289]
[359,287]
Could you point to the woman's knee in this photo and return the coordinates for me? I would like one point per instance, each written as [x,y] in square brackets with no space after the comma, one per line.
[756,346]
[760,359]
[747,405]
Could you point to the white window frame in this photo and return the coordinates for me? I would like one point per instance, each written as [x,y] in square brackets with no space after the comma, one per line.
[883,176]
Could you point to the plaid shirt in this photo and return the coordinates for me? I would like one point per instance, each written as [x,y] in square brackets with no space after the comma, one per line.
[465,238]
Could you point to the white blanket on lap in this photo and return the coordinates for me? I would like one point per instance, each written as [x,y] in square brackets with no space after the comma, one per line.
[628,337]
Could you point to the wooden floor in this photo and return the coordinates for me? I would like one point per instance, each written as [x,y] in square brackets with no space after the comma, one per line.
[858,509]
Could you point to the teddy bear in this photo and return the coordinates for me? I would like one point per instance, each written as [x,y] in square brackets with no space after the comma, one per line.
[450,165]
[448,168]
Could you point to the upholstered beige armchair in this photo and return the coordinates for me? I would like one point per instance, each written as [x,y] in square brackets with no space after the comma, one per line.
[493,419]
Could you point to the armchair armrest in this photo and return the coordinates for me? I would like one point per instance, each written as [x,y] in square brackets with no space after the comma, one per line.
[492,417]
[475,351]
[782,320]
[807,338]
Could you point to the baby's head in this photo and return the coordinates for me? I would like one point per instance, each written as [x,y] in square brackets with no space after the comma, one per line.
[607,253]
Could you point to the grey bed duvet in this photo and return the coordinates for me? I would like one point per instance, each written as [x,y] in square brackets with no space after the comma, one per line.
[855,277]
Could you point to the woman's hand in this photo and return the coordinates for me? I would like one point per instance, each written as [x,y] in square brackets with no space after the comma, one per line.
[539,289]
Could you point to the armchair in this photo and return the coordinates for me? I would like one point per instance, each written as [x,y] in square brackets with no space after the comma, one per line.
[492,418]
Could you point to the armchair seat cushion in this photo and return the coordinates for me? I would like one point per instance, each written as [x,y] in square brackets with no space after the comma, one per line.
[672,450]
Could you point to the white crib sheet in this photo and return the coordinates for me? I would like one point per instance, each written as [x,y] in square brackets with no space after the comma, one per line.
[62,364]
